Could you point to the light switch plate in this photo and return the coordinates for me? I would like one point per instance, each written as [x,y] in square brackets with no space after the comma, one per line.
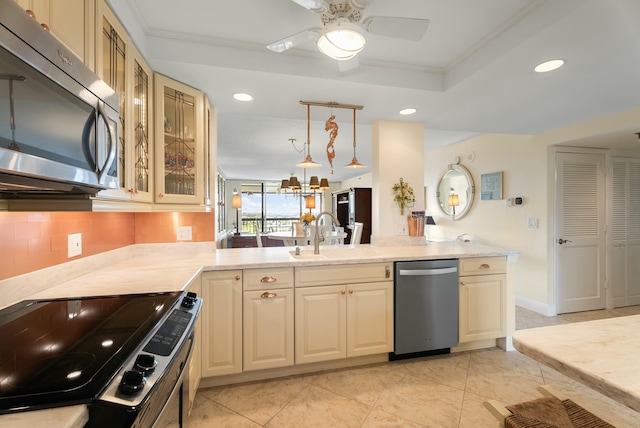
[74,245]
[184,233]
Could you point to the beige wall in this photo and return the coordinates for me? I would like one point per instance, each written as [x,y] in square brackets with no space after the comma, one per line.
[524,166]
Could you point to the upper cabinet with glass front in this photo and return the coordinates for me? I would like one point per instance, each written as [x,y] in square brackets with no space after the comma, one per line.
[180,143]
[120,65]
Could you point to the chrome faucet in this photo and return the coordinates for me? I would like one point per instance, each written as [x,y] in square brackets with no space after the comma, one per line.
[317,236]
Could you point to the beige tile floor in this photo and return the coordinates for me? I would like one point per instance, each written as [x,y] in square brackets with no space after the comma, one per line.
[440,391]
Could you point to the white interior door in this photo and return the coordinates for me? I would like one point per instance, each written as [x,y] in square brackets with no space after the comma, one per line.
[625,233]
[580,232]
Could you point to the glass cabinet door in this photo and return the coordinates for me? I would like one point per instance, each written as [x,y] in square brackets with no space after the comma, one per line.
[180,151]
[141,151]
[111,66]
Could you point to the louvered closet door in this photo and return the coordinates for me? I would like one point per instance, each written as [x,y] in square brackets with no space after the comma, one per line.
[580,236]
[619,211]
[626,232]
[633,234]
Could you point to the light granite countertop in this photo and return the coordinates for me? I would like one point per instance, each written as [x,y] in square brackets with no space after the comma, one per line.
[602,354]
[147,268]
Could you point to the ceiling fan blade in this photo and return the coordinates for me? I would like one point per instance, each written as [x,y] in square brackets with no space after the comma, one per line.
[360,4]
[294,40]
[316,6]
[400,28]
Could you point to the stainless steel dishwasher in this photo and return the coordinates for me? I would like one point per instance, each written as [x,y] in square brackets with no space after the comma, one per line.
[426,307]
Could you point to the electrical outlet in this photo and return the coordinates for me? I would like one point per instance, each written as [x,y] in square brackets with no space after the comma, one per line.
[74,245]
[184,233]
[533,223]
[402,228]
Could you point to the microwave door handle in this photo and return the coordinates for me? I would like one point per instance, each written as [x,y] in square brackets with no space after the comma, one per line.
[86,141]
[112,146]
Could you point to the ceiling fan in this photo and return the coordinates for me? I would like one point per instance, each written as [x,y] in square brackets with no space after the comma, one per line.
[342,36]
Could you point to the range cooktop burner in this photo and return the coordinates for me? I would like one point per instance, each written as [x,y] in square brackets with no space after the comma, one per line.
[65,351]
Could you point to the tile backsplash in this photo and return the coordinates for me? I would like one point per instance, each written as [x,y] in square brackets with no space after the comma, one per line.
[35,240]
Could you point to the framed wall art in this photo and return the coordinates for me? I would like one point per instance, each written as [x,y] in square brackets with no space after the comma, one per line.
[491,186]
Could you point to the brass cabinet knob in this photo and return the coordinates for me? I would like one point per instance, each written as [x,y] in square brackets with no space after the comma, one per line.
[237,277]
[343,292]
[351,291]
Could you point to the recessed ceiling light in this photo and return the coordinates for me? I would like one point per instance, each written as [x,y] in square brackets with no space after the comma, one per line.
[549,65]
[240,96]
[406,111]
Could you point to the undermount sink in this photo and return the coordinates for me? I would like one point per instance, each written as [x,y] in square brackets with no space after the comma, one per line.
[331,252]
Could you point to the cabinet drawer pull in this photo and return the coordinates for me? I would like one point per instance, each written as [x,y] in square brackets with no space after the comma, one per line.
[484,266]
[268,295]
[268,279]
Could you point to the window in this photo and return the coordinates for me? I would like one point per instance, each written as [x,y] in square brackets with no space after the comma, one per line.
[274,209]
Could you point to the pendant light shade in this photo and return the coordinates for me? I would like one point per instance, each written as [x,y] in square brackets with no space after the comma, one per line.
[324,184]
[294,184]
[314,184]
[284,185]
[308,163]
[310,202]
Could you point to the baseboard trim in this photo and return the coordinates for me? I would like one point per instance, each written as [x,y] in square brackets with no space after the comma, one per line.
[535,306]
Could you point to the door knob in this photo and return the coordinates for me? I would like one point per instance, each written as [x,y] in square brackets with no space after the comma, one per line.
[562,241]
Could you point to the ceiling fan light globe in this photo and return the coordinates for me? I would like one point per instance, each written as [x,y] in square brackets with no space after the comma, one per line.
[341,41]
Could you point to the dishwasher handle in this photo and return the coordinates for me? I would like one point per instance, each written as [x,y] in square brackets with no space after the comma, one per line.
[428,272]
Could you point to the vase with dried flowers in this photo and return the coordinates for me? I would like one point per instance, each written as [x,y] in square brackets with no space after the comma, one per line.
[403,196]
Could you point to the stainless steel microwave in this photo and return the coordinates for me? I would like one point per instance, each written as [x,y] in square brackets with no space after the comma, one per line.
[58,120]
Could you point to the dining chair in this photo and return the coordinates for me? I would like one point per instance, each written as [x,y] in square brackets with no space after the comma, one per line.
[296,228]
[256,228]
[356,233]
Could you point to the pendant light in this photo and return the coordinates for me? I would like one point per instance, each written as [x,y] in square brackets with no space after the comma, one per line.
[308,162]
[354,162]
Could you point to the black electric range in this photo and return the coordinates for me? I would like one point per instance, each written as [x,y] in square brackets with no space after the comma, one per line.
[62,352]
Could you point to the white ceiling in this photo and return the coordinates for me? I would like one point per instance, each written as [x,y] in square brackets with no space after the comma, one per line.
[471,73]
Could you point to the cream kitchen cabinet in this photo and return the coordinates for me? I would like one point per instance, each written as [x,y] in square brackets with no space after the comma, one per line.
[120,64]
[340,313]
[482,287]
[195,364]
[222,323]
[180,149]
[267,318]
[70,21]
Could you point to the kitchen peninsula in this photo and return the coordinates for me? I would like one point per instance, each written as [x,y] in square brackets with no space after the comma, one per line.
[145,268]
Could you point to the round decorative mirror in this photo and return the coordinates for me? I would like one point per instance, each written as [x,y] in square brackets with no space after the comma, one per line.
[455,191]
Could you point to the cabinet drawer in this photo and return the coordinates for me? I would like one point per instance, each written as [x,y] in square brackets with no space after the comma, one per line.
[265,279]
[343,274]
[483,265]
